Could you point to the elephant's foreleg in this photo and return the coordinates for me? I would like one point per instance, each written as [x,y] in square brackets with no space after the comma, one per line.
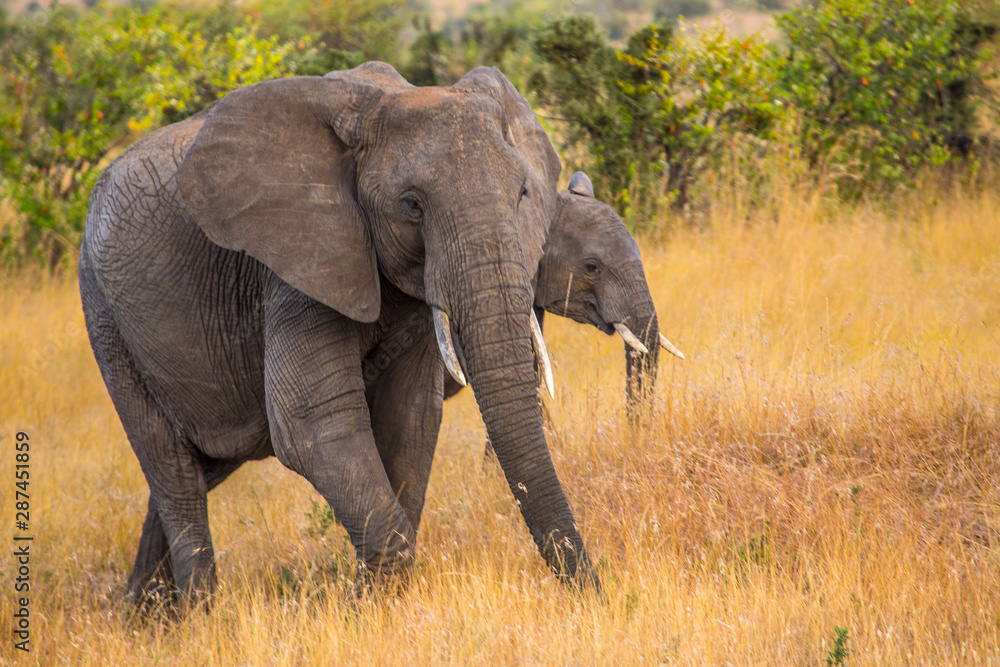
[321,428]
[405,403]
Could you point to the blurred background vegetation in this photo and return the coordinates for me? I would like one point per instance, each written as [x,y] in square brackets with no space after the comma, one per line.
[664,102]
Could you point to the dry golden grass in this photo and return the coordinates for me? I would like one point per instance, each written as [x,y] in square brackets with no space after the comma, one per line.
[827,456]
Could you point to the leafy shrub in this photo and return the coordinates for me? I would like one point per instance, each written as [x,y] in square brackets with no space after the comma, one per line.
[878,89]
[73,92]
[705,90]
[335,34]
[879,83]
[840,652]
[656,115]
[774,5]
[601,103]
[67,91]
[191,71]
[486,36]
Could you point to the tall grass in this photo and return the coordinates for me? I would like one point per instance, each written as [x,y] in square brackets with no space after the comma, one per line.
[827,456]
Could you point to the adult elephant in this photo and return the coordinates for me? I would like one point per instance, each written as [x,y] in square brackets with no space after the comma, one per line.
[238,266]
[590,271]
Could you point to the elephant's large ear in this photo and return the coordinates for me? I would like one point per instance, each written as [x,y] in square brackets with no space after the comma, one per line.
[531,141]
[271,172]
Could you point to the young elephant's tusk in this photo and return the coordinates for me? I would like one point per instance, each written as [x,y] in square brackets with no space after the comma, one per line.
[542,355]
[669,347]
[442,330]
[630,338]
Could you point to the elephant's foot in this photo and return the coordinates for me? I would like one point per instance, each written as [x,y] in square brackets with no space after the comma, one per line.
[374,583]
[157,596]
[157,599]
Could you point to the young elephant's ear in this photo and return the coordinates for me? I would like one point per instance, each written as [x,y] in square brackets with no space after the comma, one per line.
[580,185]
[271,173]
[374,73]
[525,133]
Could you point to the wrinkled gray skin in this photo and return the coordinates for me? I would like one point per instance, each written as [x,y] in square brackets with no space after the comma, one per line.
[584,232]
[237,268]
[591,272]
[590,261]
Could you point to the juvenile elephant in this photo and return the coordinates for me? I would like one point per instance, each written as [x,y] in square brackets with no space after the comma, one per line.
[591,272]
[238,266]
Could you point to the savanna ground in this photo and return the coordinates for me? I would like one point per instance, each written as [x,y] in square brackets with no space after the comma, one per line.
[826,457]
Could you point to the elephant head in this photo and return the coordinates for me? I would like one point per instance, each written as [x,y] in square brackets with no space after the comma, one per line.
[591,272]
[446,193]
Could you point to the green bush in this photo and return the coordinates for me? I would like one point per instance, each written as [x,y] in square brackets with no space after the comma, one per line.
[486,36]
[880,84]
[598,102]
[706,90]
[190,71]
[333,34]
[877,90]
[654,117]
[774,5]
[67,91]
[74,92]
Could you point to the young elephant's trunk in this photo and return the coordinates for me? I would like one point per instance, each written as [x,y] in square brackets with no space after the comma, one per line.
[640,367]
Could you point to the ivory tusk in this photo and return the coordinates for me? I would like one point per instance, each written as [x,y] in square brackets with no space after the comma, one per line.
[442,330]
[542,354]
[669,347]
[630,338]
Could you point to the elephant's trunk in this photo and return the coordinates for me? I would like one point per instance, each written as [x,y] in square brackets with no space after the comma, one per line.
[489,300]
[641,367]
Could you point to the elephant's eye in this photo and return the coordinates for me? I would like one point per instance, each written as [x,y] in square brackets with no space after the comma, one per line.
[592,267]
[413,210]
[524,191]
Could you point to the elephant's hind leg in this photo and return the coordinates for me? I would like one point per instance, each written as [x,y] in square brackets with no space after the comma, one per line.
[171,464]
[152,578]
